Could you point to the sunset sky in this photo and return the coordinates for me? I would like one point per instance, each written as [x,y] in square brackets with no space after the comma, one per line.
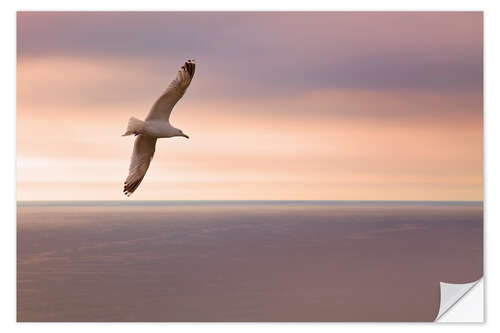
[330,106]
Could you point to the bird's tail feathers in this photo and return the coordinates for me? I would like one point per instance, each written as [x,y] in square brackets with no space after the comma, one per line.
[135,126]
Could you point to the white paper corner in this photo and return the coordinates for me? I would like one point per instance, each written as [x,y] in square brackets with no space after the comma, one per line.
[461,303]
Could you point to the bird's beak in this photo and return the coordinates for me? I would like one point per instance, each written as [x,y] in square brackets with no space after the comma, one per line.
[186,136]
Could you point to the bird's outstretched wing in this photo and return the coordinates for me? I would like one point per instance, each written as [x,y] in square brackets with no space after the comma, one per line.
[163,106]
[144,149]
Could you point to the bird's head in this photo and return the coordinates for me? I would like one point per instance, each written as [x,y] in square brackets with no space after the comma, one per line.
[181,133]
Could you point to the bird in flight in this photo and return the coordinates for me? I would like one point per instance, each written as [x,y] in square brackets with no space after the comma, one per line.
[156,125]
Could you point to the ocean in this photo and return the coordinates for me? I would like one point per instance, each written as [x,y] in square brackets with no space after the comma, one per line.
[242,260]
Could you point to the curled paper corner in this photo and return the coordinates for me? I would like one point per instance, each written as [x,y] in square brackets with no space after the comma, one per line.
[451,293]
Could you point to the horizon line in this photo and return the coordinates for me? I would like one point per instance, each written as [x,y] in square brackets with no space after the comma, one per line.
[201,202]
[257,200]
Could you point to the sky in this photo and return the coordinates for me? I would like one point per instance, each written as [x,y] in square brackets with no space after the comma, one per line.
[283,106]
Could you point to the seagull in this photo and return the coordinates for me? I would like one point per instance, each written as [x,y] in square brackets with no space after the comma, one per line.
[156,125]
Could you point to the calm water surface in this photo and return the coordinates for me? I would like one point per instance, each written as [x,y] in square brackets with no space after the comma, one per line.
[242,261]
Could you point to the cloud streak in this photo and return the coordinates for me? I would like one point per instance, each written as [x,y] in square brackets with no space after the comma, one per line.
[287,51]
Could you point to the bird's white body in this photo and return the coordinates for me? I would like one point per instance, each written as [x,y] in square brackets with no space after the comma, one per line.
[155,126]
[160,129]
